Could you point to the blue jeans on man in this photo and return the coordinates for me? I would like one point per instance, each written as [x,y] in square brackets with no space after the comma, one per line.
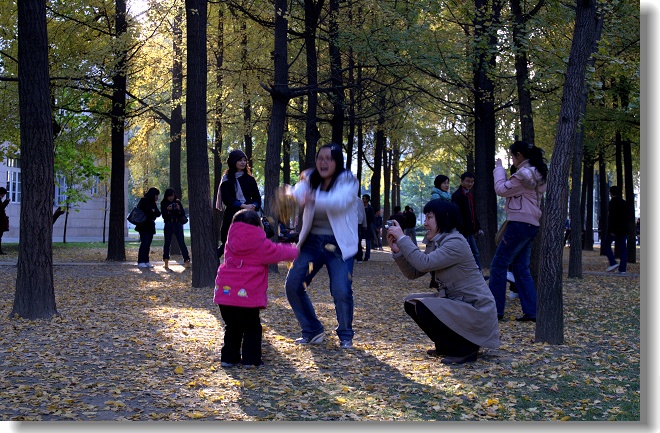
[320,250]
[621,245]
[475,251]
[514,249]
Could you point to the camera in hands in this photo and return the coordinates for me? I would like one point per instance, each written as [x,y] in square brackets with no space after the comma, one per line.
[389,223]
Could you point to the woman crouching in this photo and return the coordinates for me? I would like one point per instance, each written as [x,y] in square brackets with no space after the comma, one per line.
[459,316]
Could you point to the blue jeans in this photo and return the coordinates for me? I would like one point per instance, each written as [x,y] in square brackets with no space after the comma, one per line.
[145,245]
[318,250]
[621,245]
[176,229]
[515,249]
[475,251]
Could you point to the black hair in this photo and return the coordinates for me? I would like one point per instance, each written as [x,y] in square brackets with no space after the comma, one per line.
[439,180]
[247,216]
[152,193]
[367,196]
[337,155]
[533,154]
[396,209]
[467,174]
[169,192]
[3,190]
[615,190]
[447,215]
[232,159]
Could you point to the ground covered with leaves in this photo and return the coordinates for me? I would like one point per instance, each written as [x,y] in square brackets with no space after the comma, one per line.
[141,344]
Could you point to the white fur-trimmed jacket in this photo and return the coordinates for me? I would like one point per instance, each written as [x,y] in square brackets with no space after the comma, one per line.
[339,203]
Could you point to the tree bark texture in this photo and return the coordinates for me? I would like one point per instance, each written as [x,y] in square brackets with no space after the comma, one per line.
[485,125]
[217,125]
[116,235]
[280,95]
[312,134]
[176,121]
[204,262]
[550,311]
[35,291]
[337,91]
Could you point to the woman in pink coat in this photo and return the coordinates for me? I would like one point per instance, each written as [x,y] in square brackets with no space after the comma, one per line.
[241,284]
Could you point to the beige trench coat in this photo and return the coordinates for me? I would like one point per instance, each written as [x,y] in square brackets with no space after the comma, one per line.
[464,302]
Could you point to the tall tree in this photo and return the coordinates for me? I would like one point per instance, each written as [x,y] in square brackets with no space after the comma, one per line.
[204,263]
[35,289]
[280,94]
[116,235]
[550,315]
[486,20]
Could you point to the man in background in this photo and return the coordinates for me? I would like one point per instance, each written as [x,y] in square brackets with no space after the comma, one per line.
[470,226]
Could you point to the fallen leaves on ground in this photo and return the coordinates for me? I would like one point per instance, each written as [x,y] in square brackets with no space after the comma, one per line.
[136,344]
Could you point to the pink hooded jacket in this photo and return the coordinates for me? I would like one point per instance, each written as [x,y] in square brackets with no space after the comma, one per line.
[242,278]
[523,193]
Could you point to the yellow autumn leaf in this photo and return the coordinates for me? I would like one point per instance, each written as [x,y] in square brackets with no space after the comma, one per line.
[178,370]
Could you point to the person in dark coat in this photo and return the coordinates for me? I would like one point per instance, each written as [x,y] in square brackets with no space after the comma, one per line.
[238,190]
[617,231]
[459,313]
[4,219]
[173,216]
[398,216]
[469,226]
[149,205]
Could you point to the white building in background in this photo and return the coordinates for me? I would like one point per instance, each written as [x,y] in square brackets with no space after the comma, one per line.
[87,222]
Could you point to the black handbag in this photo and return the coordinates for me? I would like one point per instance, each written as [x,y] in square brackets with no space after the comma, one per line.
[183,219]
[136,216]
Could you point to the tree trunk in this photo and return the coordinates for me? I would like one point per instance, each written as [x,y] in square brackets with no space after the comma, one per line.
[550,313]
[204,262]
[485,125]
[280,95]
[575,212]
[35,290]
[116,232]
[176,123]
[379,149]
[217,125]
[520,34]
[312,134]
[337,91]
[247,102]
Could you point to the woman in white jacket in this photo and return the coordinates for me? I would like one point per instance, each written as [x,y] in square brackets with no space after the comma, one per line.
[328,237]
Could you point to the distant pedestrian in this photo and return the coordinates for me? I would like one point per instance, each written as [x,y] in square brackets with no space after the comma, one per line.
[441,188]
[4,219]
[147,229]
[398,215]
[241,286]
[411,223]
[470,226]
[378,224]
[617,231]
[174,216]
[369,233]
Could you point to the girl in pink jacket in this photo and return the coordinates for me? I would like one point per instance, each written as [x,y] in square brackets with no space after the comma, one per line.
[241,284]
[523,192]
